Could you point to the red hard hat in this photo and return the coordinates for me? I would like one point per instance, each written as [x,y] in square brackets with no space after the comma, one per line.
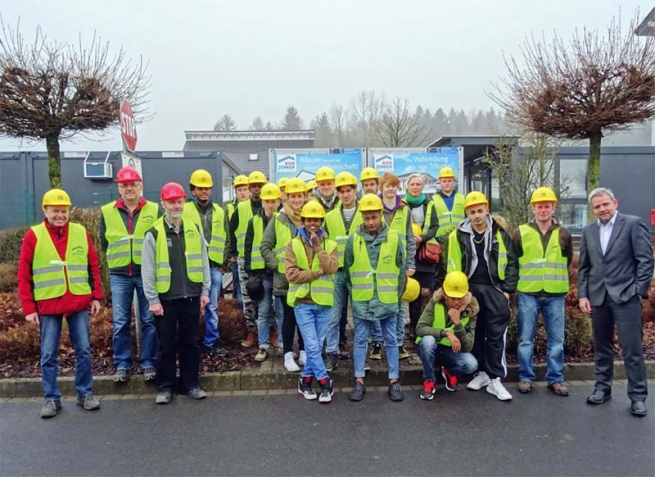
[127,174]
[172,191]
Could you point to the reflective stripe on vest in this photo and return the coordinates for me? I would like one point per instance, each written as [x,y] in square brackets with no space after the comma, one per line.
[449,219]
[192,255]
[216,249]
[455,254]
[123,248]
[335,225]
[440,322]
[245,214]
[256,260]
[321,289]
[386,274]
[283,236]
[541,270]
[50,274]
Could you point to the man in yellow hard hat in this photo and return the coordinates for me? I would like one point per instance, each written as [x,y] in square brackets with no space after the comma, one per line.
[310,262]
[376,276]
[370,180]
[311,187]
[123,225]
[278,234]
[245,211]
[327,194]
[59,277]
[242,193]
[545,251]
[260,278]
[282,185]
[211,220]
[449,206]
[446,332]
[484,251]
[340,223]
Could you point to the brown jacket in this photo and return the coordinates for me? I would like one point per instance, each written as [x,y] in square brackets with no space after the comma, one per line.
[329,265]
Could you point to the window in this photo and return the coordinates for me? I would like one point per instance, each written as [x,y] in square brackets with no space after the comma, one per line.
[573,178]
[572,216]
[253,156]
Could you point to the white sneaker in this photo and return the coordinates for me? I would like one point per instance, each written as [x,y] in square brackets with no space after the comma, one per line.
[479,381]
[303,358]
[289,363]
[497,389]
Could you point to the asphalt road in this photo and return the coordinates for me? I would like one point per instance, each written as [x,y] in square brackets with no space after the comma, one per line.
[463,433]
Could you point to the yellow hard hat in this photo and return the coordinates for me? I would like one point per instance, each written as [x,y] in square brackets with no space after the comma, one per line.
[325,174]
[270,192]
[455,285]
[312,210]
[256,177]
[543,194]
[311,185]
[412,290]
[475,198]
[240,180]
[369,173]
[346,179]
[369,203]
[55,197]
[416,228]
[446,172]
[282,183]
[295,186]
[201,178]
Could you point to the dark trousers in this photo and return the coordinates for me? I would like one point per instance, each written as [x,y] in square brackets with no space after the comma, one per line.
[343,322]
[177,333]
[289,328]
[425,280]
[491,330]
[627,318]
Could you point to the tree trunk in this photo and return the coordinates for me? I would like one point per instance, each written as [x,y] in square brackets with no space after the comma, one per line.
[593,167]
[54,161]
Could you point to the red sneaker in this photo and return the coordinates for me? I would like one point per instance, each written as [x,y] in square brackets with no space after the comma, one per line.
[450,379]
[428,390]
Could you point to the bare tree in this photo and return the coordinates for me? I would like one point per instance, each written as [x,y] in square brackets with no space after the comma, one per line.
[520,170]
[339,122]
[593,85]
[226,123]
[52,91]
[365,112]
[399,126]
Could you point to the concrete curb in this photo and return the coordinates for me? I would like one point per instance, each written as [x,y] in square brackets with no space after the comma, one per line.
[258,380]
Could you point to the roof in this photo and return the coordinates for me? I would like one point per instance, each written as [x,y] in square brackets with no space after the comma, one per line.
[230,136]
[647,27]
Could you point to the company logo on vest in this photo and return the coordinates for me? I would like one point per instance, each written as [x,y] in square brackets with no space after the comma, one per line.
[78,251]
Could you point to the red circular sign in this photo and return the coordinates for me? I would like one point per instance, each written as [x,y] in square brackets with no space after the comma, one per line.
[128,126]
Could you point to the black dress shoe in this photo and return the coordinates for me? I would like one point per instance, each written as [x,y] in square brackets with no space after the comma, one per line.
[638,408]
[599,397]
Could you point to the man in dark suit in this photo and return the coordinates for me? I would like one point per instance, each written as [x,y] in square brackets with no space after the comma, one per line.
[616,267]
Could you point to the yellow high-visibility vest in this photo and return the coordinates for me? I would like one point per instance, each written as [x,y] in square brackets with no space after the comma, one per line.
[216,250]
[322,288]
[449,219]
[541,270]
[123,248]
[193,244]
[386,273]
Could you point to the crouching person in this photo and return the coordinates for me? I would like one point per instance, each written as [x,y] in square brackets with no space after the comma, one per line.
[310,263]
[59,277]
[446,332]
[176,281]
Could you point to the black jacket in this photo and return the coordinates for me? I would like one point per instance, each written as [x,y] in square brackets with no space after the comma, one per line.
[247,250]
[465,239]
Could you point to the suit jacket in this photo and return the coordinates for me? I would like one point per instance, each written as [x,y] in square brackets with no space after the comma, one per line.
[624,271]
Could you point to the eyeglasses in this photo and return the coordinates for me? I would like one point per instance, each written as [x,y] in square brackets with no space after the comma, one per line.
[133,185]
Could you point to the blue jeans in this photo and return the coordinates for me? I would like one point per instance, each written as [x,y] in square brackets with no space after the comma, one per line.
[236,285]
[457,363]
[265,312]
[122,293]
[279,315]
[78,329]
[341,292]
[211,310]
[376,330]
[553,311]
[388,327]
[313,324]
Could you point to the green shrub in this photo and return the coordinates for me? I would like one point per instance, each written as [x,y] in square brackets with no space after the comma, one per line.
[8,277]
[11,241]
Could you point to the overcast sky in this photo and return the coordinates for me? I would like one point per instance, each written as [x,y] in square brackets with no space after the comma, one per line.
[250,58]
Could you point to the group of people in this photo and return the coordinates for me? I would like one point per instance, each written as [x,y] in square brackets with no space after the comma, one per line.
[300,252]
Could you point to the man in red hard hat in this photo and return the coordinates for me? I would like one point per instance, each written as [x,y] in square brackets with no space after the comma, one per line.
[123,225]
[176,281]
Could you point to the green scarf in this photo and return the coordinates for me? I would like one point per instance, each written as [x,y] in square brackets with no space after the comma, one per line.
[414,201]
